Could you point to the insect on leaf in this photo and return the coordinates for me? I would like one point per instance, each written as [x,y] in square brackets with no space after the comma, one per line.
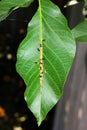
[44,58]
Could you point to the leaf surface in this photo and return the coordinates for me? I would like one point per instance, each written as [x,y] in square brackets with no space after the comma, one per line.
[7,6]
[44,58]
[86,2]
[80,32]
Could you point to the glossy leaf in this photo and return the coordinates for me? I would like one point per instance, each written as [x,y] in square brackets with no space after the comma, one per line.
[44,58]
[80,32]
[7,6]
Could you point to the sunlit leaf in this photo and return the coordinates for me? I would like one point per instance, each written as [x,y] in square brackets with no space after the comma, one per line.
[44,58]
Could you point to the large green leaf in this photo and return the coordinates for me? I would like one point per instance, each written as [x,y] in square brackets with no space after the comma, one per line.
[80,32]
[86,2]
[6,6]
[44,58]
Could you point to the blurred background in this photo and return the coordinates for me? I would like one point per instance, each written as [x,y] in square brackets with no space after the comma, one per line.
[14,114]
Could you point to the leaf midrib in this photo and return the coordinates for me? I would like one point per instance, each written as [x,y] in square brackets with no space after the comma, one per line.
[41,57]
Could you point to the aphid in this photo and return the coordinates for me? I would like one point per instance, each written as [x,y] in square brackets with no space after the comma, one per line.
[43,58]
[36,62]
[41,72]
[41,62]
[40,76]
[40,45]
[40,67]
[38,49]
[43,40]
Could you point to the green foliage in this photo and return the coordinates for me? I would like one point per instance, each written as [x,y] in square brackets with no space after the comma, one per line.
[80,32]
[46,54]
[7,6]
[86,2]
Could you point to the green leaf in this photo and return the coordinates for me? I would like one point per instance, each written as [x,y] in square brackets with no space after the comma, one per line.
[80,32]
[7,6]
[44,58]
[86,2]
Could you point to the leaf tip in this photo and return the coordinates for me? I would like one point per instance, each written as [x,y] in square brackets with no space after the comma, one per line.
[39,122]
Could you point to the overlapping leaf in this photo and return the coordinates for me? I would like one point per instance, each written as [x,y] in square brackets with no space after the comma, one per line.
[44,58]
[6,6]
[80,32]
